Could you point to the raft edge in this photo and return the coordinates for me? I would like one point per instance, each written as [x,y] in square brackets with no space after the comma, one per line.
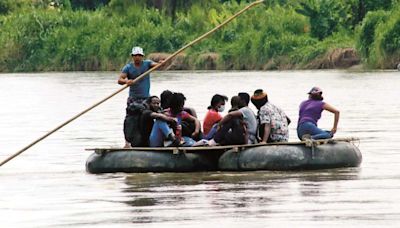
[228,147]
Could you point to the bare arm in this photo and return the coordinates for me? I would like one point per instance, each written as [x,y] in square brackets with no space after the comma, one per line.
[191,111]
[333,110]
[230,116]
[153,64]
[267,131]
[196,123]
[123,79]
[161,116]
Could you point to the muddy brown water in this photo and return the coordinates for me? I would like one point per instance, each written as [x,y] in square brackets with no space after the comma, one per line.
[47,186]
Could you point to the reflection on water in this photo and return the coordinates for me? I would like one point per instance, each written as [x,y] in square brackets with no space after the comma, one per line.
[48,184]
[222,194]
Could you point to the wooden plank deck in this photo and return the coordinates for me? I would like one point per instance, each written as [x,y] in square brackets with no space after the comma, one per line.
[217,148]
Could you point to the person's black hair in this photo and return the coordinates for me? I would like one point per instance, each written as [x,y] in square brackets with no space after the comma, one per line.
[149,99]
[176,103]
[258,92]
[237,102]
[165,98]
[316,96]
[217,98]
[245,97]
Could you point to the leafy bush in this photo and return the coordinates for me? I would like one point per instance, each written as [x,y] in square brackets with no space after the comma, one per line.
[5,6]
[386,47]
[269,33]
[325,16]
[37,37]
[366,33]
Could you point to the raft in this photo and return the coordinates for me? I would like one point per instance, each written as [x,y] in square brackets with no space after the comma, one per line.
[144,159]
[310,155]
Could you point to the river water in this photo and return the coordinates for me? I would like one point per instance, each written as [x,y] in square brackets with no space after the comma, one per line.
[47,186]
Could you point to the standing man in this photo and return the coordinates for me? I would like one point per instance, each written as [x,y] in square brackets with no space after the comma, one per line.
[139,91]
[273,122]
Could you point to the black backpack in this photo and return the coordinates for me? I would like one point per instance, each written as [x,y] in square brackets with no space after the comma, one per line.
[132,124]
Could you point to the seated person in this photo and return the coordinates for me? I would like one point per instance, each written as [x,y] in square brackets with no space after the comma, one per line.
[153,112]
[231,131]
[161,132]
[236,103]
[273,121]
[188,127]
[166,96]
[248,116]
[212,116]
[139,121]
[309,114]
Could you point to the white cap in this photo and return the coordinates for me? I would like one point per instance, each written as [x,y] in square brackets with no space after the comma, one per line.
[137,51]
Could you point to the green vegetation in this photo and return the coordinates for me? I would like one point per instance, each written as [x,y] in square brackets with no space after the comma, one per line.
[379,39]
[70,35]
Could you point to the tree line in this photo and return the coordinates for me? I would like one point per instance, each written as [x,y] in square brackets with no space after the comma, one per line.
[67,35]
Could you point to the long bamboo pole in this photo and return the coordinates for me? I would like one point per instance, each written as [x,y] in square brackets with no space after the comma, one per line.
[134,81]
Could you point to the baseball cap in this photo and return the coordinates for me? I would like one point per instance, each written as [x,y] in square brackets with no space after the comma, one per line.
[315,90]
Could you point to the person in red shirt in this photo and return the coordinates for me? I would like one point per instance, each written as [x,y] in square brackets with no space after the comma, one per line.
[213,115]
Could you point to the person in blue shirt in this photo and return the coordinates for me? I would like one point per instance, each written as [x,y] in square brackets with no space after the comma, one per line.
[139,91]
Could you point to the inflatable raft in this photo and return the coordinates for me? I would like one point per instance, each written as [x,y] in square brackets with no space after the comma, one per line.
[316,154]
[144,159]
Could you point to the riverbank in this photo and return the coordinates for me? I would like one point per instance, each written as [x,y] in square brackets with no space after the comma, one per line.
[341,58]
